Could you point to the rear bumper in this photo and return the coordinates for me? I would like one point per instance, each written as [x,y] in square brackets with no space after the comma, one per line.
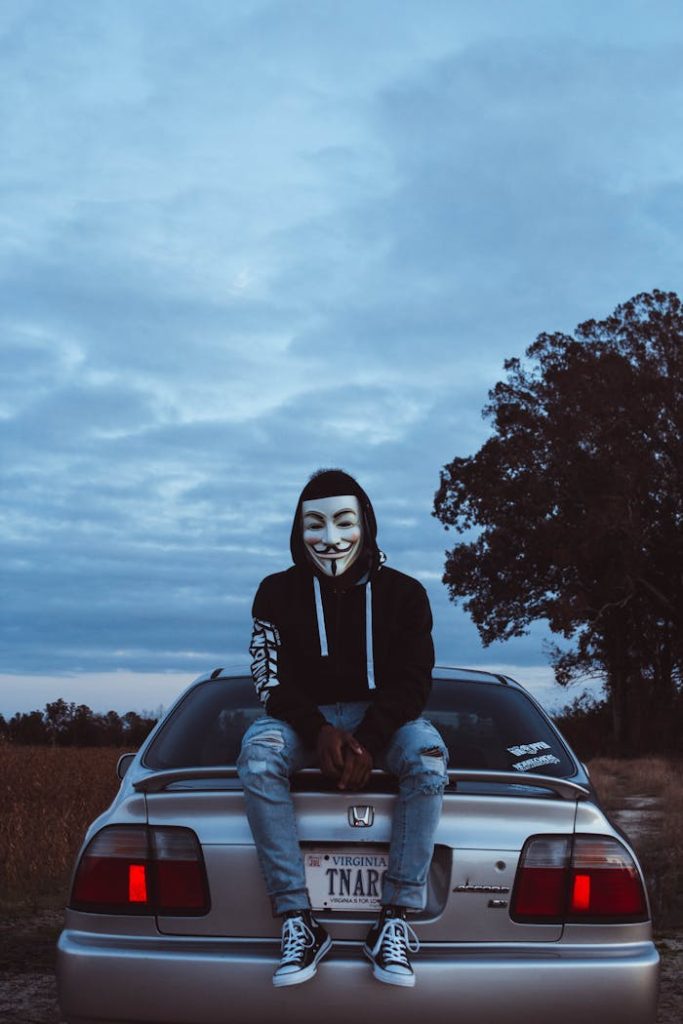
[105,978]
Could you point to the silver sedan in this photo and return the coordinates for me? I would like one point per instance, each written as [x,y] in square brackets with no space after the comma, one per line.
[536,907]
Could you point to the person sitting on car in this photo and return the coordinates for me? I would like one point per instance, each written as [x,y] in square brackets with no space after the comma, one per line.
[342,662]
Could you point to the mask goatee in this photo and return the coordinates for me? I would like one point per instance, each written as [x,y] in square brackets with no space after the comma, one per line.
[334,567]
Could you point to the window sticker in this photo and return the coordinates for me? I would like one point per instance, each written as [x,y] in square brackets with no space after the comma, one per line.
[528,748]
[535,762]
[529,763]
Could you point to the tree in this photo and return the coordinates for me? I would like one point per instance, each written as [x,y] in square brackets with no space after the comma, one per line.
[111,729]
[578,500]
[137,727]
[58,717]
[84,730]
[27,728]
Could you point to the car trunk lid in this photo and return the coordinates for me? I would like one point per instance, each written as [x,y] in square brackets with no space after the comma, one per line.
[483,827]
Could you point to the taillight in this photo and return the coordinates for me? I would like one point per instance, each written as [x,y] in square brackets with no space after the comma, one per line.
[114,871]
[133,869]
[180,877]
[587,879]
[605,882]
[541,883]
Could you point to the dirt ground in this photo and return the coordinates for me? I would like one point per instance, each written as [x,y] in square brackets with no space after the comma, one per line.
[28,993]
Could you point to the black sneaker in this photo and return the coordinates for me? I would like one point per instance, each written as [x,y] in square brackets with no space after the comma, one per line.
[304,944]
[387,947]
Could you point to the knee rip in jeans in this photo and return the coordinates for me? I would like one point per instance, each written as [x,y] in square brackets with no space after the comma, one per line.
[273,740]
[434,777]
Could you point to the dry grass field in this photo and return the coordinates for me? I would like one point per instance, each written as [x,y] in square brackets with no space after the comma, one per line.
[48,797]
[646,798]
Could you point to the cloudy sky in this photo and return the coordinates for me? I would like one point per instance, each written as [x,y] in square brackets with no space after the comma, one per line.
[245,239]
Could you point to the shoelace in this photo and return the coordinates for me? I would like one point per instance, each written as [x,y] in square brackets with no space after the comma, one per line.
[296,937]
[397,939]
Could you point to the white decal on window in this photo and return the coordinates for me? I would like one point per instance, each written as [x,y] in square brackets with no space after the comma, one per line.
[535,762]
[528,748]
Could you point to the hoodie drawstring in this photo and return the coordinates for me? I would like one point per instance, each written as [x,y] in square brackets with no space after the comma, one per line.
[368,636]
[322,631]
[320,617]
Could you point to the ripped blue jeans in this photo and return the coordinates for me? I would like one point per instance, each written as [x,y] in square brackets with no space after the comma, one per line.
[272,751]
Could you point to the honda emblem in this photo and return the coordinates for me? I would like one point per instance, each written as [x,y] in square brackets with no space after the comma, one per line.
[361,817]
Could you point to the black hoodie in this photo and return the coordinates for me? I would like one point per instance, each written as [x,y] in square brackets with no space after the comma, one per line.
[293,676]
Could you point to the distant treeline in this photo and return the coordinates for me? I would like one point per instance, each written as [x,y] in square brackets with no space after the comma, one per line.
[586,722]
[62,724]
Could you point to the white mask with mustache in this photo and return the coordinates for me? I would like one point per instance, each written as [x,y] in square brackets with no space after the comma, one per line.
[332,532]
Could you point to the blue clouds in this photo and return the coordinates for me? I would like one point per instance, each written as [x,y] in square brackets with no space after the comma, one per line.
[241,241]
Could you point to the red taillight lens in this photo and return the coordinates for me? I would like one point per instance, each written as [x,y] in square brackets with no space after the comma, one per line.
[540,893]
[105,879]
[581,892]
[137,883]
[132,869]
[589,879]
[605,881]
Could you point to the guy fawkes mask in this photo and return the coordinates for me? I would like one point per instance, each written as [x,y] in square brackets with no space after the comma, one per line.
[332,532]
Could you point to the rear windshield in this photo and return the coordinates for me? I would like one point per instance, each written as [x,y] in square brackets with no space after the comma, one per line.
[484,725]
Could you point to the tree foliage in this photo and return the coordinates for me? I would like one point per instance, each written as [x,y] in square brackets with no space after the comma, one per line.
[65,724]
[577,498]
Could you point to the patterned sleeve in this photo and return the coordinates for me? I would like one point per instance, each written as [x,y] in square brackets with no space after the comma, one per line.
[270,667]
[264,649]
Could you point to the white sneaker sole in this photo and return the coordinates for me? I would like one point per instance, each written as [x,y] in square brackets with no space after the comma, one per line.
[389,977]
[298,977]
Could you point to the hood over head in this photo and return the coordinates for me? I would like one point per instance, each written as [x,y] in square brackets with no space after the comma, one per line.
[330,483]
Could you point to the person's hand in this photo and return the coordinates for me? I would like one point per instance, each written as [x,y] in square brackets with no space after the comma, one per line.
[330,749]
[357,767]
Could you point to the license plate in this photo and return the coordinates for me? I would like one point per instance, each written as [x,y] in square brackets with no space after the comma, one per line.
[345,878]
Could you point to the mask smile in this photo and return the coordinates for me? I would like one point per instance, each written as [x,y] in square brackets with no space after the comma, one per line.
[332,552]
